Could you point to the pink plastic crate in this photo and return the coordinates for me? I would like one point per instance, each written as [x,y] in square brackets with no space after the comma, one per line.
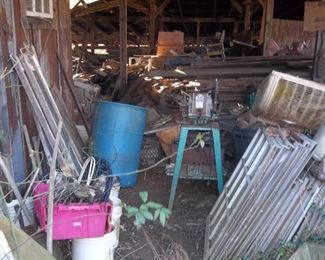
[74,220]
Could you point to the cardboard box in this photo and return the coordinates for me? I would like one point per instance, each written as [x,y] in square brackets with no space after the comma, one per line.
[170,38]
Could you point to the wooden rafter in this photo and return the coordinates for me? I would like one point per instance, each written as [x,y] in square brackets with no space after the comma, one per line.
[106,5]
[138,7]
[237,6]
[162,7]
[98,7]
[262,2]
[198,19]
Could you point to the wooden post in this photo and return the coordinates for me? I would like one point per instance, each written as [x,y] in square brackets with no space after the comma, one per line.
[152,25]
[248,15]
[123,42]
[198,33]
[49,237]
[268,24]
[319,59]
[262,30]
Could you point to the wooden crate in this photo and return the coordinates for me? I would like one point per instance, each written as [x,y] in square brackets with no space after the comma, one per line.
[171,38]
[165,50]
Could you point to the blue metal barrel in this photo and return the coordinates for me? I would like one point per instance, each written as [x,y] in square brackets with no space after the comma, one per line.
[117,135]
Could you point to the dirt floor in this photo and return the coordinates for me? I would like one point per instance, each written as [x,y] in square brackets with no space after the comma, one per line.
[185,228]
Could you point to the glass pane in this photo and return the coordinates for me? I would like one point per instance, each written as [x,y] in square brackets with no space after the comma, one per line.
[29,5]
[38,6]
[47,6]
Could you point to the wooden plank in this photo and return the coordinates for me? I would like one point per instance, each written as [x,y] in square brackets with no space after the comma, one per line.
[152,25]
[19,240]
[314,17]
[268,24]
[319,60]
[123,42]
[74,95]
[262,21]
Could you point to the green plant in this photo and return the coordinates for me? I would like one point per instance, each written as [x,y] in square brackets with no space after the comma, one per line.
[148,210]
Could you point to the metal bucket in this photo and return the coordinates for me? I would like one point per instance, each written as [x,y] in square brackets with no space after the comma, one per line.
[117,137]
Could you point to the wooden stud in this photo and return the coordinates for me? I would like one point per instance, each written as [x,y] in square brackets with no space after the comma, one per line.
[268,24]
[152,25]
[262,30]
[248,15]
[198,33]
[123,42]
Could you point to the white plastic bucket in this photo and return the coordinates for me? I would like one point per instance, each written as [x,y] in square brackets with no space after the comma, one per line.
[98,248]
[13,207]
[116,216]
[116,210]
[320,139]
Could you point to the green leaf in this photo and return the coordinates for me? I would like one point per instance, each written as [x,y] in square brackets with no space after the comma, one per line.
[154,205]
[156,214]
[137,223]
[166,211]
[144,196]
[148,215]
[131,210]
[162,218]
[144,207]
[141,218]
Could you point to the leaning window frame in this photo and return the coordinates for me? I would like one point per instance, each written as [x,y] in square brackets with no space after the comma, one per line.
[41,14]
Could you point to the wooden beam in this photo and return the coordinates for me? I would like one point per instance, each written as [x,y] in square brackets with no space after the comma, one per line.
[262,30]
[214,8]
[268,24]
[182,15]
[248,15]
[138,7]
[198,33]
[237,6]
[97,7]
[152,24]
[198,19]
[123,42]
[162,7]
[262,3]
[319,61]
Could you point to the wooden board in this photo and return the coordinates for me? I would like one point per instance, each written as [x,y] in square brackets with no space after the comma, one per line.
[314,19]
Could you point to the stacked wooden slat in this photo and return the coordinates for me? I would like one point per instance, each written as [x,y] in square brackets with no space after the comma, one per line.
[266,199]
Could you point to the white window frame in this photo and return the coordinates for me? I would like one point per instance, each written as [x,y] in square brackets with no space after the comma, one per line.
[41,14]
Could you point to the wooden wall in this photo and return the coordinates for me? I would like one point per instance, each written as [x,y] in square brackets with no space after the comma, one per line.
[50,37]
[285,32]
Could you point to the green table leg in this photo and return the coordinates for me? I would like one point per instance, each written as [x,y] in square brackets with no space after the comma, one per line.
[178,165]
[217,156]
